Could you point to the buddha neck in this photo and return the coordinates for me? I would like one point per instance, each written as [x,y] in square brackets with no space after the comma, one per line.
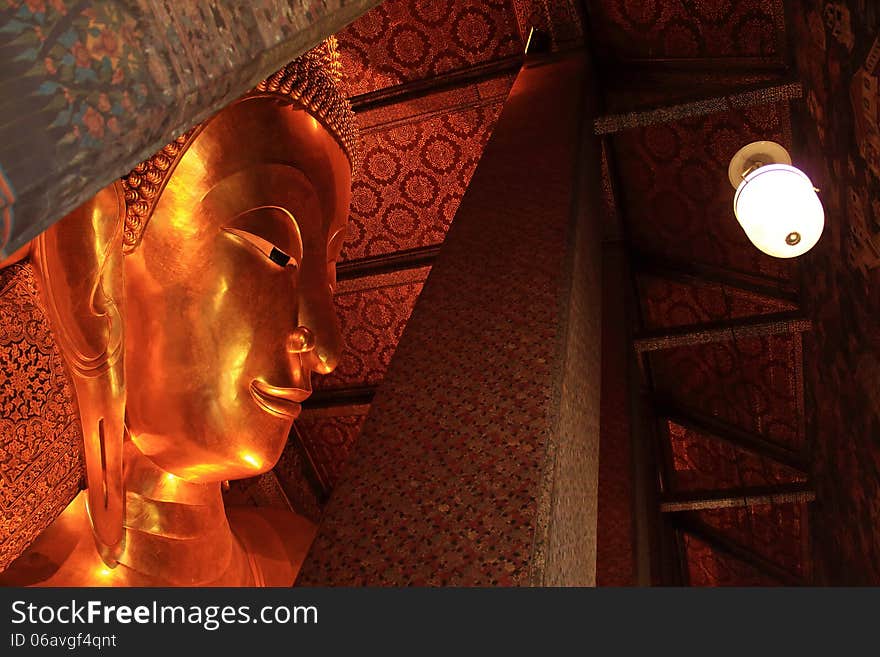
[177,533]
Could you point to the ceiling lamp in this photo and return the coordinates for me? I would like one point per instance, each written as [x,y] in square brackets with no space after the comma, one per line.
[775,203]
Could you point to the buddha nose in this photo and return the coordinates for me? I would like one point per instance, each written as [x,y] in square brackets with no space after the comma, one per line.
[317,339]
[300,340]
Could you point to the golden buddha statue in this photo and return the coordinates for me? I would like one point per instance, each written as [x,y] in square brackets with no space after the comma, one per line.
[191,302]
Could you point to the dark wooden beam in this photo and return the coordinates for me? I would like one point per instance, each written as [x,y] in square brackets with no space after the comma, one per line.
[701,500]
[347,410]
[693,273]
[419,88]
[422,256]
[728,65]
[734,436]
[680,554]
[717,541]
[733,329]
[354,396]
[753,95]
[656,559]
[628,91]
[613,229]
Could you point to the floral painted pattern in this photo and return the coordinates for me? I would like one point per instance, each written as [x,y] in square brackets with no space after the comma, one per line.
[84,53]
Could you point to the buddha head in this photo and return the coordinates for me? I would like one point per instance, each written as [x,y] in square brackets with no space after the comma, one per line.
[228,284]
[192,300]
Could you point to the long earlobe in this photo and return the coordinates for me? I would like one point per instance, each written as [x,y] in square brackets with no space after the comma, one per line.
[78,263]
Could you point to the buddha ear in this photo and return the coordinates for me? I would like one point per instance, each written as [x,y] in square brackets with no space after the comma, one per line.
[78,263]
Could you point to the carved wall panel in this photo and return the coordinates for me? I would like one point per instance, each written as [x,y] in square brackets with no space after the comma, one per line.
[41,461]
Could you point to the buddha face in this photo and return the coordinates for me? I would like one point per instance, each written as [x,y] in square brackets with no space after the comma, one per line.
[228,296]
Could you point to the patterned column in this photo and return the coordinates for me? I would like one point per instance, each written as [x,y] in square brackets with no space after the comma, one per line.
[478,462]
[90,89]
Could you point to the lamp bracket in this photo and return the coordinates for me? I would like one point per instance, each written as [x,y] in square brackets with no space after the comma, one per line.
[753,156]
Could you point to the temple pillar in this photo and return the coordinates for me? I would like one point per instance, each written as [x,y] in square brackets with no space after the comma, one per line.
[90,89]
[478,463]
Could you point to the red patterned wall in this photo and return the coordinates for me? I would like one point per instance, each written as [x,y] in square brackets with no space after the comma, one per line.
[404,40]
[329,441]
[414,175]
[372,319]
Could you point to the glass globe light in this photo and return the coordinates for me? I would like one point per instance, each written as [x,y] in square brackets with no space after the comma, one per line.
[777,206]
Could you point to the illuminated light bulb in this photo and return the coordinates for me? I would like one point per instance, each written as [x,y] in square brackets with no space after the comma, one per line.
[775,203]
[779,210]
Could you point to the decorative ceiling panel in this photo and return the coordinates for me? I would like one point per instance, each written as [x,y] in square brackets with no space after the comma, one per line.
[709,567]
[404,40]
[667,303]
[651,29]
[412,180]
[372,320]
[703,462]
[771,531]
[751,383]
[677,200]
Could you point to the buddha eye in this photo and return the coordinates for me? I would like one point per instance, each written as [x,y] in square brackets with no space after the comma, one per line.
[279,257]
[264,246]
